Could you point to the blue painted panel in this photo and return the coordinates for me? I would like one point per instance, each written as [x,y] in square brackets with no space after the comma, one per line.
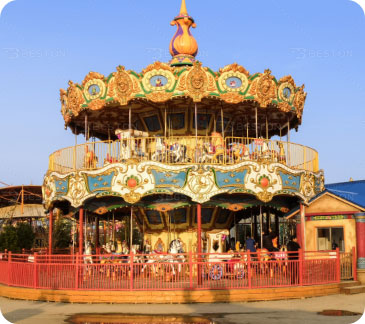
[290,181]
[165,179]
[230,179]
[100,182]
[61,186]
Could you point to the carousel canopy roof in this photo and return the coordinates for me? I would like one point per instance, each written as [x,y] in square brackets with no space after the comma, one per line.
[17,211]
[103,102]
[12,195]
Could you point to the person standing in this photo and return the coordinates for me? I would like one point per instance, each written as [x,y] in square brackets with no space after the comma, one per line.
[293,256]
[250,244]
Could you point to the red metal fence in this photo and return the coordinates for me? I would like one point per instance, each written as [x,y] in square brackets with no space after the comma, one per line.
[186,271]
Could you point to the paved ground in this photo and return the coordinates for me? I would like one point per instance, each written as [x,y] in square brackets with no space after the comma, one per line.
[273,312]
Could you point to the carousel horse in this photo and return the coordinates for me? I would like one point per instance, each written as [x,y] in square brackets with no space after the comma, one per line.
[282,157]
[238,151]
[125,152]
[88,259]
[263,256]
[178,152]
[159,150]
[212,153]
[90,158]
[157,257]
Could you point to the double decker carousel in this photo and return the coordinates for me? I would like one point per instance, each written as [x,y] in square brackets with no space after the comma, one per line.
[179,152]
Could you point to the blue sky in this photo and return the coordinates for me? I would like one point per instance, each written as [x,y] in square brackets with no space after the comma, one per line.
[44,43]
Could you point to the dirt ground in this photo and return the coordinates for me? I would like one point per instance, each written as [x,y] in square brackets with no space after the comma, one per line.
[271,312]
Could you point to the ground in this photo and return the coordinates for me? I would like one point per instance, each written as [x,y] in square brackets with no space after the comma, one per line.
[272,312]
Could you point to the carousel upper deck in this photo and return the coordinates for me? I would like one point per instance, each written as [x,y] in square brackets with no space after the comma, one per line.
[183,150]
[198,167]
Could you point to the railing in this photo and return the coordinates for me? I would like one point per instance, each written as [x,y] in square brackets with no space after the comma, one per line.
[348,265]
[186,271]
[183,150]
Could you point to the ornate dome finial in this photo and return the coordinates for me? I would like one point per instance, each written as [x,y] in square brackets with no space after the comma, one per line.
[183,46]
[183,10]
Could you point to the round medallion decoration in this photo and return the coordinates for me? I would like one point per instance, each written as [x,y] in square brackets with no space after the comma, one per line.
[158,80]
[286,92]
[94,88]
[233,81]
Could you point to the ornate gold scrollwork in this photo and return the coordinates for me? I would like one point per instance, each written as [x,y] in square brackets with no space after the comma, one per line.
[197,82]
[132,197]
[299,101]
[74,98]
[121,87]
[77,189]
[264,88]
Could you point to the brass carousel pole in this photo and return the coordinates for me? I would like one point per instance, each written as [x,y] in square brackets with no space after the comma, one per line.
[257,132]
[261,227]
[196,131]
[222,121]
[199,237]
[131,231]
[288,141]
[81,232]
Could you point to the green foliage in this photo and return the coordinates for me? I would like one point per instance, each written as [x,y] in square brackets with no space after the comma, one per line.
[25,236]
[62,234]
[9,239]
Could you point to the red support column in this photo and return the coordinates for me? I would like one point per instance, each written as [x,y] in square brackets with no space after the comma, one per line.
[50,232]
[360,240]
[199,221]
[302,226]
[299,234]
[97,235]
[199,236]
[81,231]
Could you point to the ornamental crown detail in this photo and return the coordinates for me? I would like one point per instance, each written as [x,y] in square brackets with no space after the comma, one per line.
[183,46]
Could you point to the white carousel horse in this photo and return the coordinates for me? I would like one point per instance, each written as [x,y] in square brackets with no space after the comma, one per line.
[88,259]
[156,257]
[125,152]
[176,247]
[159,150]
[213,153]
[178,152]
[88,253]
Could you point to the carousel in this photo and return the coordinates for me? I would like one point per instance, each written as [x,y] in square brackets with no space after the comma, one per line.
[180,158]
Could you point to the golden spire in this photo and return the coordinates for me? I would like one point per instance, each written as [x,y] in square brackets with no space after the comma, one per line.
[183,46]
[183,10]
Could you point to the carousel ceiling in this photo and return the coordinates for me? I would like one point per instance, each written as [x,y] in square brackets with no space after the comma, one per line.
[169,213]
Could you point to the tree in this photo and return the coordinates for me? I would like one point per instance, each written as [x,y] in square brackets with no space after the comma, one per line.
[62,234]
[9,239]
[25,236]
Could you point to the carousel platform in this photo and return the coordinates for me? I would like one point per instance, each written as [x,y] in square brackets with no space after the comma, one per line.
[170,297]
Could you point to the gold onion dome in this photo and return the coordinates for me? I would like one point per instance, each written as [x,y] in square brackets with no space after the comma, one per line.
[183,46]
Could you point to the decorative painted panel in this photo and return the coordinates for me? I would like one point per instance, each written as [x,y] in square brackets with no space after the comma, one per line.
[133,180]
[99,182]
